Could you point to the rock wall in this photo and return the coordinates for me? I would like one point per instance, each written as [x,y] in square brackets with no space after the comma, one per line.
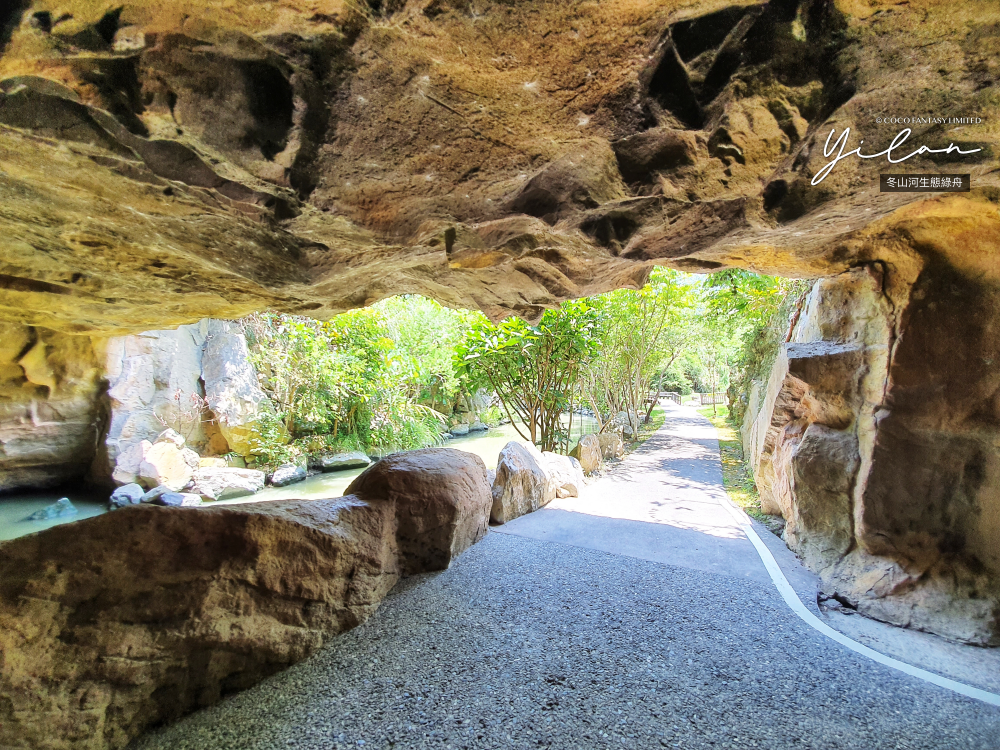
[878,441]
[196,380]
[51,410]
[71,404]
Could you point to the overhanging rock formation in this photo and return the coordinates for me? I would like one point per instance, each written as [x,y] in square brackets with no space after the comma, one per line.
[171,161]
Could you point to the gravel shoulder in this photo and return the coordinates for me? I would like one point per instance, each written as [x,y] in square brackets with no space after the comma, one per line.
[530,644]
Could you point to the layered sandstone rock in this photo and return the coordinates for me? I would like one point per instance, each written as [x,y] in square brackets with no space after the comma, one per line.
[173,161]
[50,411]
[142,615]
[207,160]
[522,484]
[882,472]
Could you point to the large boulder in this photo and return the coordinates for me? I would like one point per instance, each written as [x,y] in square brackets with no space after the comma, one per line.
[107,629]
[129,619]
[521,485]
[442,500]
[566,473]
[216,483]
[612,445]
[588,452]
[168,463]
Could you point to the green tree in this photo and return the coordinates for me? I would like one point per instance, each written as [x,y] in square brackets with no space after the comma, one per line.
[533,369]
[749,316]
[425,335]
[642,333]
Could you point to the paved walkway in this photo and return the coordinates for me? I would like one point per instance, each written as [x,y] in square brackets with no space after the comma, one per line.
[663,505]
[637,616]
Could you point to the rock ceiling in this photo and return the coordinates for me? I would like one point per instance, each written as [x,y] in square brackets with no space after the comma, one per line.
[167,161]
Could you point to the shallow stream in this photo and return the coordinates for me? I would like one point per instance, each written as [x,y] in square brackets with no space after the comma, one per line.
[16,507]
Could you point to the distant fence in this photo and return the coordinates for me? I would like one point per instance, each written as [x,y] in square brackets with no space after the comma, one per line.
[675,397]
[707,399]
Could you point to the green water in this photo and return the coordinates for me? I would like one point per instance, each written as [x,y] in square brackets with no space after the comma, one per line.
[14,508]
[17,506]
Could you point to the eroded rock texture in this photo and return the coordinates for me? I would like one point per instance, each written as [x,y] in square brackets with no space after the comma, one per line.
[877,440]
[140,616]
[51,414]
[168,161]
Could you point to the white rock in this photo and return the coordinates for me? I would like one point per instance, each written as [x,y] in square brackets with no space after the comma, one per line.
[566,472]
[521,484]
[225,483]
[170,436]
[231,387]
[127,466]
[165,464]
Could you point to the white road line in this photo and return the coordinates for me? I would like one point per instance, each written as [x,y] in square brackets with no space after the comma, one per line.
[793,601]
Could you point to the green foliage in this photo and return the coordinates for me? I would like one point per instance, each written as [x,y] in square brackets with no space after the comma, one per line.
[674,379]
[269,447]
[425,335]
[641,334]
[492,415]
[753,311]
[345,384]
[533,369]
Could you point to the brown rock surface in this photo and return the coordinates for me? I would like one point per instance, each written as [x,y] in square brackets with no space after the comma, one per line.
[442,501]
[50,413]
[145,614]
[522,483]
[876,440]
[207,160]
[124,620]
[179,161]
